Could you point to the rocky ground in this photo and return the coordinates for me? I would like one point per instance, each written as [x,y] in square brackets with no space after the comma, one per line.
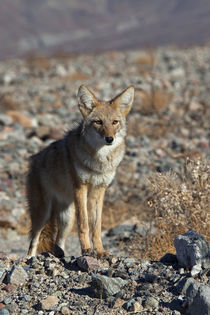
[169,122]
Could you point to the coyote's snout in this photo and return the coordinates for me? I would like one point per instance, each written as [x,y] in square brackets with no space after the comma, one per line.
[72,174]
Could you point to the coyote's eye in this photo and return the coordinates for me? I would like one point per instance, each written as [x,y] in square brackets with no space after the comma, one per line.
[115,122]
[98,122]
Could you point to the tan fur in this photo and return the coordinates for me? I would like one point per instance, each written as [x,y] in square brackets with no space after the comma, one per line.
[72,174]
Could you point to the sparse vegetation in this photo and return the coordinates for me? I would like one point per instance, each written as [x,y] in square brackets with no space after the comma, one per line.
[179,203]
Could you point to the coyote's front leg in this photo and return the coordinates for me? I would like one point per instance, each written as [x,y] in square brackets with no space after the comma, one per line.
[95,205]
[80,200]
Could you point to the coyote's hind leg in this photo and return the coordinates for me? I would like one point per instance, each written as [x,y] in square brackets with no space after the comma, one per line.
[38,220]
[65,220]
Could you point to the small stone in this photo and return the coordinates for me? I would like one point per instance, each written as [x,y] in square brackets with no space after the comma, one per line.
[17,275]
[133,306]
[27,298]
[105,286]
[149,277]
[121,230]
[4,311]
[7,300]
[5,120]
[20,118]
[87,263]
[196,270]
[2,274]
[151,302]
[50,301]
[183,285]
[118,303]
[65,310]
[178,73]
[43,131]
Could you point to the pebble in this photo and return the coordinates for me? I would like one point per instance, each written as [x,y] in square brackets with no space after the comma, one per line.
[4,311]
[17,275]
[87,263]
[105,286]
[49,302]
[151,302]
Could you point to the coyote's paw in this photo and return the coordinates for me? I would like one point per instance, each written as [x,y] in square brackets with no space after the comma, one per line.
[58,251]
[104,254]
[89,252]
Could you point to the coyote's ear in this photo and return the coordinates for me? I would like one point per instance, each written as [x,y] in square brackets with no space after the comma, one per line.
[86,100]
[124,100]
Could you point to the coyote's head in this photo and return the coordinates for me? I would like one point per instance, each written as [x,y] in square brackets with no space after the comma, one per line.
[104,121]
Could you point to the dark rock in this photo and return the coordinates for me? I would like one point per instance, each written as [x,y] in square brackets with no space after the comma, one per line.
[198,296]
[183,285]
[192,249]
[87,263]
[105,286]
[133,305]
[169,259]
[120,230]
[149,277]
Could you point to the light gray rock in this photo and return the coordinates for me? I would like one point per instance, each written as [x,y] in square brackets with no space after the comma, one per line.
[198,296]
[151,302]
[192,249]
[49,302]
[184,284]
[4,311]
[104,286]
[133,305]
[2,272]
[5,120]
[17,275]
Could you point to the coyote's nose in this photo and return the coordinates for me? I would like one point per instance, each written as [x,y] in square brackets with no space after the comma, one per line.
[109,140]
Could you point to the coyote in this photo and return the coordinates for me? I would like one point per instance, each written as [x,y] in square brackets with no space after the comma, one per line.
[72,174]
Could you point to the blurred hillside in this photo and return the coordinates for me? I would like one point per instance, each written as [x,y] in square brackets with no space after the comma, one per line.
[50,26]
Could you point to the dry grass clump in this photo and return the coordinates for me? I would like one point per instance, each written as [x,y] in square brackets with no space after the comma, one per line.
[179,203]
[8,102]
[153,101]
[150,127]
[146,62]
[38,62]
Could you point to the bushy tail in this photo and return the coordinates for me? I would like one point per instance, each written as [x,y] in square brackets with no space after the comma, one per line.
[47,237]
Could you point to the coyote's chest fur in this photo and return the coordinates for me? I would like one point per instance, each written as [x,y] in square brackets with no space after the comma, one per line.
[98,168]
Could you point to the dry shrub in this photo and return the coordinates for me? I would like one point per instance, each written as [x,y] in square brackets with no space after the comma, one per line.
[77,76]
[115,213]
[179,204]
[38,62]
[153,101]
[7,102]
[152,128]
[146,62]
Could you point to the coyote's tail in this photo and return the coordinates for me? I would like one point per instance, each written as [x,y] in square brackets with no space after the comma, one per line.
[47,237]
